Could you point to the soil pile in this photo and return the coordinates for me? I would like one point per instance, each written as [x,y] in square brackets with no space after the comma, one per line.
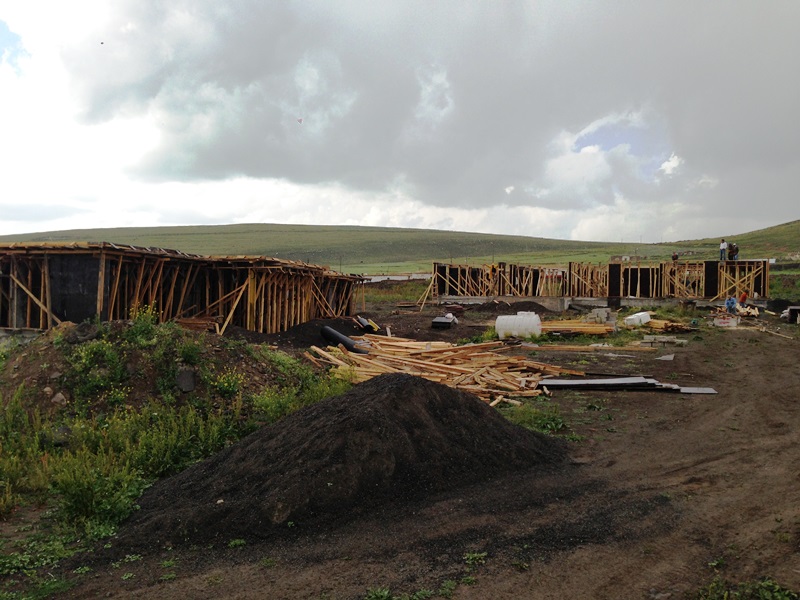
[300,336]
[502,307]
[393,437]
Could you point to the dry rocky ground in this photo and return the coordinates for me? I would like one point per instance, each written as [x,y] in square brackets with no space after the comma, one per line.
[409,486]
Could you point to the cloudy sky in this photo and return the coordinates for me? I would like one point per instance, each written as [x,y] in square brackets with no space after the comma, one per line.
[594,120]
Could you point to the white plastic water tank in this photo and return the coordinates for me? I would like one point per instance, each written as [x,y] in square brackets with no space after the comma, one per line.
[521,325]
[639,318]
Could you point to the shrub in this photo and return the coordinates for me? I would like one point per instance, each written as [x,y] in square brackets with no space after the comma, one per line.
[96,366]
[95,489]
[143,325]
[227,384]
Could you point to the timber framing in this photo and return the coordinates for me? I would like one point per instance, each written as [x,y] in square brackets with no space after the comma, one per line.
[43,284]
[707,280]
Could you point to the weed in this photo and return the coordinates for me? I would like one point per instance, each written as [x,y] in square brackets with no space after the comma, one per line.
[228,384]
[447,588]
[720,589]
[521,565]
[190,352]
[378,594]
[545,420]
[82,570]
[237,543]
[468,580]
[34,554]
[717,563]
[489,334]
[143,325]
[127,576]
[95,366]
[267,562]
[473,559]
[168,576]
[95,489]
[169,563]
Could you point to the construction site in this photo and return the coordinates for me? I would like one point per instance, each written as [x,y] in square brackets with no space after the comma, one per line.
[44,284]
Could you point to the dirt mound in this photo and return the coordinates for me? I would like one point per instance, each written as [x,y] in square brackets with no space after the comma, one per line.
[502,307]
[393,437]
[300,336]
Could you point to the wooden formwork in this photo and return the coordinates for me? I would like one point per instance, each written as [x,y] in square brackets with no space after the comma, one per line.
[711,280]
[500,279]
[588,280]
[683,280]
[742,276]
[44,284]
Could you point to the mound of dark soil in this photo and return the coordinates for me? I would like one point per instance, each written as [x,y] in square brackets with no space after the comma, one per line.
[393,437]
[509,308]
[300,336]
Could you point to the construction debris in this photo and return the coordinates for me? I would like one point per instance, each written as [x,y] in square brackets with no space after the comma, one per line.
[591,348]
[655,341]
[623,383]
[480,369]
[668,326]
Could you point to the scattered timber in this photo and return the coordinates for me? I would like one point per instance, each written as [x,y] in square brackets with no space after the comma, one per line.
[481,369]
[623,383]
[593,348]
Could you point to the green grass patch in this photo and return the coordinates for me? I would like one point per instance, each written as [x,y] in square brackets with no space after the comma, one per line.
[541,417]
[763,589]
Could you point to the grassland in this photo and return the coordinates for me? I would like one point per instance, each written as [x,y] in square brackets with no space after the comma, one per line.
[394,250]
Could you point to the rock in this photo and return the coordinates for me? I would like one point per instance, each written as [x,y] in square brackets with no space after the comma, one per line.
[186,379]
[48,391]
[83,332]
[59,399]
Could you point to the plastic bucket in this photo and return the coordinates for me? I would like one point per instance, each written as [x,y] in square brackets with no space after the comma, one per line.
[521,325]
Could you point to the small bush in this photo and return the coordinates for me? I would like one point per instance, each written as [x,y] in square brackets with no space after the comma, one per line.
[227,384]
[143,326]
[95,488]
[96,366]
[190,352]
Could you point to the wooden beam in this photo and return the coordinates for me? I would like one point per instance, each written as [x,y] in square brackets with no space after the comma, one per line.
[31,295]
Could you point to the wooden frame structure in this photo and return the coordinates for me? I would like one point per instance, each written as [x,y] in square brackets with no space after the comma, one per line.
[44,284]
[711,280]
[501,279]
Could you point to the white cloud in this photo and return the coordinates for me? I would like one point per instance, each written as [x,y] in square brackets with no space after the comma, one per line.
[671,165]
[568,124]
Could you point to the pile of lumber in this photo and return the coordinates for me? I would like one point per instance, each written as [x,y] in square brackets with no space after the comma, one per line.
[576,326]
[669,326]
[481,369]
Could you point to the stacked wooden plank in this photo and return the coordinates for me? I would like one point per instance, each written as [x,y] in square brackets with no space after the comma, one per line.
[481,369]
[669,326]
[576,326]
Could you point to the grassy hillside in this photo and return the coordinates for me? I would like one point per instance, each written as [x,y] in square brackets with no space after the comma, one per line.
[394,250]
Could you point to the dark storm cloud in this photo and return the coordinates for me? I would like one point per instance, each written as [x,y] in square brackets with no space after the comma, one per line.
[456,104]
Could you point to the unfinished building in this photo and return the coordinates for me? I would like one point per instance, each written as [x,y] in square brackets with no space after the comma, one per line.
[707,280]
[44,284]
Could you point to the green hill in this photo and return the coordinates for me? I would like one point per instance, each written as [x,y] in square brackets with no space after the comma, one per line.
[394,250]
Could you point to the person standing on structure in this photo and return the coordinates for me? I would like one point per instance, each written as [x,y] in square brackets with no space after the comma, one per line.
[723,247]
